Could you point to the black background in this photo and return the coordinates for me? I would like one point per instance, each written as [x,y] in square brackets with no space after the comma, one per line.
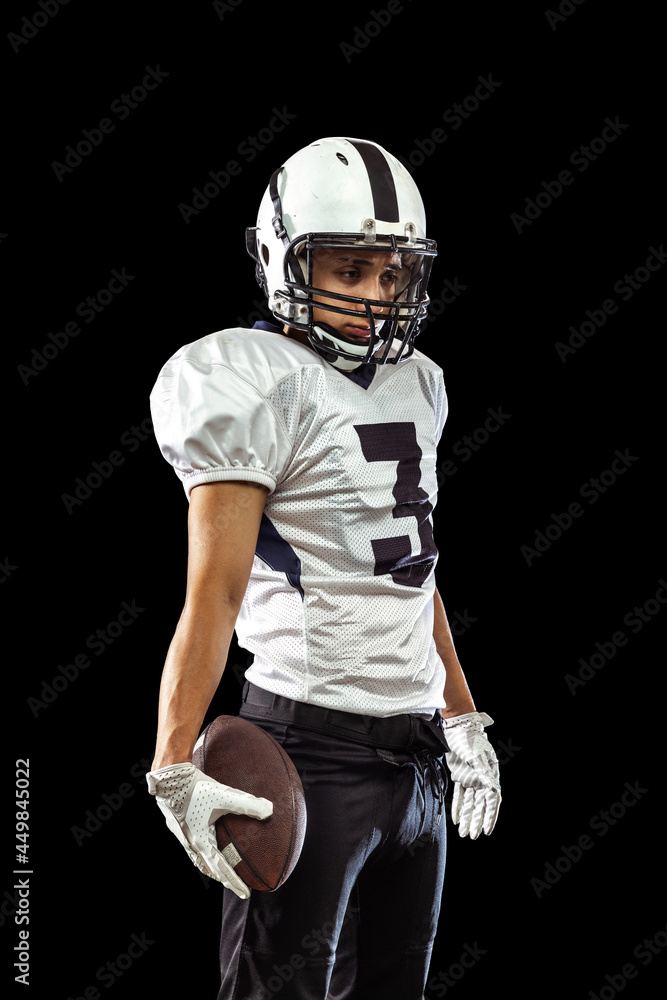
[566,756]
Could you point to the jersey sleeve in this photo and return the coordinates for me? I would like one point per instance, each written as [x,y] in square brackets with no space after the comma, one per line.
[441,409]
[212,424]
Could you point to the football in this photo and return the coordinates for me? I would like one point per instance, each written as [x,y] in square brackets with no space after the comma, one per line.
[239,753]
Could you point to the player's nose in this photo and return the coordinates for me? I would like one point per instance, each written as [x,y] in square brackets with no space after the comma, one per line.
[371,288]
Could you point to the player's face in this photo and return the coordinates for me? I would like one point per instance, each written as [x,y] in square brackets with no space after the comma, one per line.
[368,274]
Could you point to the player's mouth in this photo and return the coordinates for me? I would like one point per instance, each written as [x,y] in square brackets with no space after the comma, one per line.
[357,331]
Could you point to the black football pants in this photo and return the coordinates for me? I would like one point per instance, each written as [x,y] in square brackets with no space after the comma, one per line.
[357,917]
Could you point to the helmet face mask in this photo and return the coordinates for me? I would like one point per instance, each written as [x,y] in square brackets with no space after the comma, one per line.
[393,323]
[318,189]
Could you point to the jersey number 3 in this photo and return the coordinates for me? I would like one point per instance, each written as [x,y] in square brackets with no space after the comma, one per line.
[391,442]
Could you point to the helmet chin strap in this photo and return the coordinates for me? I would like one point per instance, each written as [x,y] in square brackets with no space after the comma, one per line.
[346,364]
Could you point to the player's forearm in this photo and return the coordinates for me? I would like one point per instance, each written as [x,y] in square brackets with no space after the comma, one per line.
[192,671]
[456,694]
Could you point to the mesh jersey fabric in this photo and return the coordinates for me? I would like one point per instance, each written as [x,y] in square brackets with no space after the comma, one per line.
[338,610]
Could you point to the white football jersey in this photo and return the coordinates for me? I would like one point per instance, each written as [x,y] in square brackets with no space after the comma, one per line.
[338,611]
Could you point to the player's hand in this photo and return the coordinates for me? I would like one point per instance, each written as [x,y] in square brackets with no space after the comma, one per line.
[474,769]
[191,803]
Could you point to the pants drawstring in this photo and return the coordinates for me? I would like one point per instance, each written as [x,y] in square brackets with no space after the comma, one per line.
[426,761]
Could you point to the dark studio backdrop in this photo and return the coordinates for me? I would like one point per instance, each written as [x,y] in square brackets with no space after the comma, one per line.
[138,143]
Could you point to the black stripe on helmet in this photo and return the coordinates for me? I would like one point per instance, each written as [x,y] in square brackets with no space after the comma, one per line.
[383,189]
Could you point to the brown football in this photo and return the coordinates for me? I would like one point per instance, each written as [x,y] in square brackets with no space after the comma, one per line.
[238,753]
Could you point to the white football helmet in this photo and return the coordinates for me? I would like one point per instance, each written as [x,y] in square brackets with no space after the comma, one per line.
[342,192]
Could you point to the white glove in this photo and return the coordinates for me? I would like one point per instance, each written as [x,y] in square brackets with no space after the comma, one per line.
[474,769]
[191,803]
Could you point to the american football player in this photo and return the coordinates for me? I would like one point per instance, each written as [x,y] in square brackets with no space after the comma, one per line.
[307,449]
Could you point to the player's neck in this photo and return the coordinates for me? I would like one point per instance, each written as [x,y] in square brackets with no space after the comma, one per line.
[299,335]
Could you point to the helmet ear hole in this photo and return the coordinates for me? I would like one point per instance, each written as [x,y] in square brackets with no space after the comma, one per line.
[265,253]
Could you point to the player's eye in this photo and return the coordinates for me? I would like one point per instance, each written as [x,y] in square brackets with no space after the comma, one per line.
[390,277]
